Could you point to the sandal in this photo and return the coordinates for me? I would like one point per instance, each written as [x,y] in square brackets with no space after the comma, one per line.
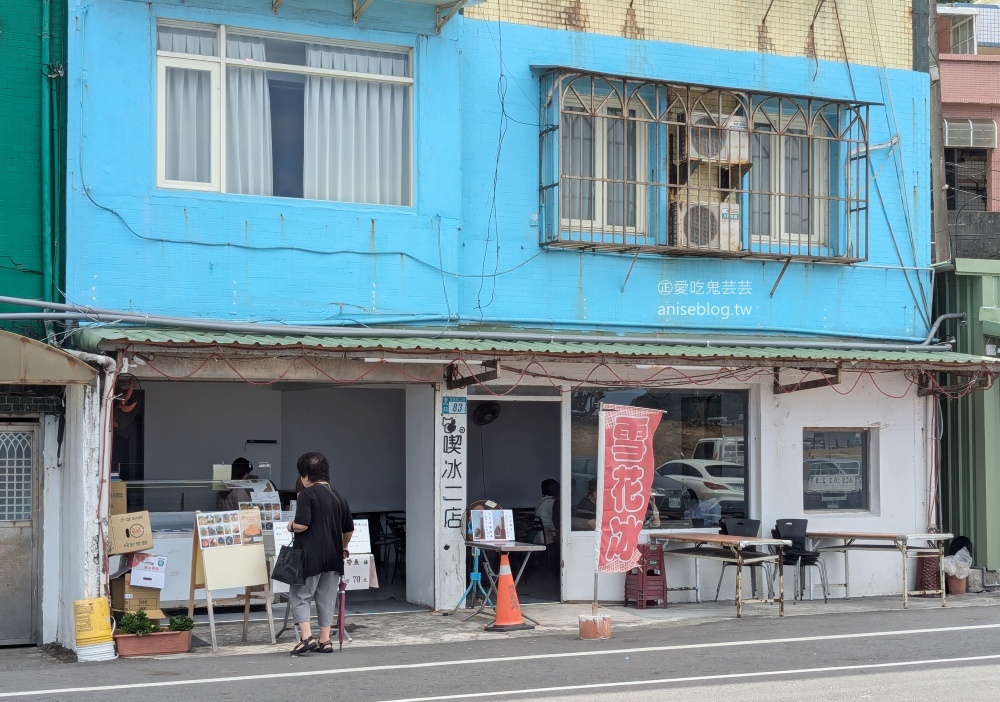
[324,647]
[304,646]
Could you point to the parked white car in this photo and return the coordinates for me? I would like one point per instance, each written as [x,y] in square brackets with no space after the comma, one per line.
[704,479]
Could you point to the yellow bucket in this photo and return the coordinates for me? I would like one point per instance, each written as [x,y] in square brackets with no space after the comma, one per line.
[93,621]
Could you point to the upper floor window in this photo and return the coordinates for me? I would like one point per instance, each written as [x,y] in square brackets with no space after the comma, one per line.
[640,165]
[261,114]
[963,34]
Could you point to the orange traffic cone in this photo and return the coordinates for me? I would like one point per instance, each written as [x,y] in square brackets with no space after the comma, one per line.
[508,608]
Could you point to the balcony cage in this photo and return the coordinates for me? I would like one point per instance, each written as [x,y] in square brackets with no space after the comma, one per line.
[643,166]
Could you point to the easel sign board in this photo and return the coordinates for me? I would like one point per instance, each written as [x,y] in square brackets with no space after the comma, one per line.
[222,565]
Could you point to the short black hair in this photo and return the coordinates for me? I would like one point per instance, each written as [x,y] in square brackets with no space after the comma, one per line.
[313,465]
[592,485]
[241,468]
[550,487]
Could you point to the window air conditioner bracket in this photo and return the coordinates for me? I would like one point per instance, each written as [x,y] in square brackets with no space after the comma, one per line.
[454,381]
[445,12]
[831,376]
[360,7]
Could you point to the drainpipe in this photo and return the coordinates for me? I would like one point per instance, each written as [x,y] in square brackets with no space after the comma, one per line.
[46,155]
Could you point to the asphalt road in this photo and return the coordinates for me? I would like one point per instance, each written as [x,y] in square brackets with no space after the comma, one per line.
[948,654]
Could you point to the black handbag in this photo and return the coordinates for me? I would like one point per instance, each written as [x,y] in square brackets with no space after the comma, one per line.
[288,566]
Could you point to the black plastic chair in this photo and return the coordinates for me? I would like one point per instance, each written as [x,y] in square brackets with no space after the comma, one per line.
[797,555]
[735,526]
[397,533]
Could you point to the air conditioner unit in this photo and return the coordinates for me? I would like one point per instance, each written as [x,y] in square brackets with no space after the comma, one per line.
[706,226]
[728,144]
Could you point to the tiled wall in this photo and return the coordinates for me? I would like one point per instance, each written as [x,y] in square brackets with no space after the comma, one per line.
[876,32]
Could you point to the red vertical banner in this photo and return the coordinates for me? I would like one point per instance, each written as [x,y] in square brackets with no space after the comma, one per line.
[627,465]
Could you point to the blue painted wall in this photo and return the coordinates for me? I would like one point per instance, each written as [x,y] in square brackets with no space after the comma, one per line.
[469,245]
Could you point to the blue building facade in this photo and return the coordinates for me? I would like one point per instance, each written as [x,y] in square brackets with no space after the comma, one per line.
[544,207]
[504,209]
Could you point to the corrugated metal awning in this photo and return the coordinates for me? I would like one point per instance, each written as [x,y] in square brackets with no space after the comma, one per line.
[970,133]
[728,353]
[24,361]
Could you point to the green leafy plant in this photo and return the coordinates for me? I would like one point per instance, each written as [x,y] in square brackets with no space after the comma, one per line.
[181,622]
[137,623]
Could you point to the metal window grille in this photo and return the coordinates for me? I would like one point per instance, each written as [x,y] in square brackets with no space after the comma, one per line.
[15,476]
[630,165]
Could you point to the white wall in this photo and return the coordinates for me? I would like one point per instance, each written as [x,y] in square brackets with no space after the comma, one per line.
[362,431]
[71,561]
[521,450]
[191,426]
[420,482]
[899,476]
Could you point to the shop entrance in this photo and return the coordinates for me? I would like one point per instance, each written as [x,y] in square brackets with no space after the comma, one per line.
[189,427]
[514,447]
[18,518]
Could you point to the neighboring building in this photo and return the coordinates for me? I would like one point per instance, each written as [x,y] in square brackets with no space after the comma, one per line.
[32,144]
[303,230]
[969,46]
[969,57]
[47,398]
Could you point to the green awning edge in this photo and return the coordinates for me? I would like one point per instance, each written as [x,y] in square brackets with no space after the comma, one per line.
[107,339]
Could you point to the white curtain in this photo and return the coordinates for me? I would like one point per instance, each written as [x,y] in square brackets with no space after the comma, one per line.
[188,109]
[179,40]
[357,133]
[249,167]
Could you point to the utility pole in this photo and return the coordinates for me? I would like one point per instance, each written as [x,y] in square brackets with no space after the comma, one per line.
[939,195]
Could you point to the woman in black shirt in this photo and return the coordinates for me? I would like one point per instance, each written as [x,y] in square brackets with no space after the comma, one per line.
[323,527]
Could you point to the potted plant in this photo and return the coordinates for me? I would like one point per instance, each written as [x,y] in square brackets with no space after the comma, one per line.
[138,635]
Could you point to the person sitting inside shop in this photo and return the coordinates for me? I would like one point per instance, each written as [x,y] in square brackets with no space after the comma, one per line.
[585,512]
[546,513]
[231,499]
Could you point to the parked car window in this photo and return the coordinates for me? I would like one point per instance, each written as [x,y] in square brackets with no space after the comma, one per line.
[724,470]
[836,472]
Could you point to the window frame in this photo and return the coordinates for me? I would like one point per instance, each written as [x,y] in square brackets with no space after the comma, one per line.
[212,66]
[867,461]
[674,439]
[600,181]
[968,44]
[221,62]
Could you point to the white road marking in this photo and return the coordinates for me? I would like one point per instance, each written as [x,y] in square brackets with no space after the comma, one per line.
[545,656]
[694,678]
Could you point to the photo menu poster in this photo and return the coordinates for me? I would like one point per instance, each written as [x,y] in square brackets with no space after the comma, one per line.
[270,514]
[218,529]
[250,526]
[262,495]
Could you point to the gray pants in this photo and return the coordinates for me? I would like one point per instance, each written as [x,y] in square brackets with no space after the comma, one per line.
[320,588]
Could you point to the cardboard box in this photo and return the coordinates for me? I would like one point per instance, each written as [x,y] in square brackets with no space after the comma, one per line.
[118,502]
[129,532]
[149,570]
[358,571]
[126,597]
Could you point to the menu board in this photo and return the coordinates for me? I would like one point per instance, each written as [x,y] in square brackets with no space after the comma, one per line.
[229,528]
[263,496]
[491,525]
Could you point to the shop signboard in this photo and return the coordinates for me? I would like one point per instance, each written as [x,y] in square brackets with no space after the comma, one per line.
[626,475]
